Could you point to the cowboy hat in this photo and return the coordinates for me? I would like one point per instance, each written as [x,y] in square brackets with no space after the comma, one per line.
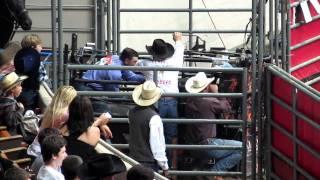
[10,80]
[146,94]
[198,83]
[100,166]
[9,52]
[160,49]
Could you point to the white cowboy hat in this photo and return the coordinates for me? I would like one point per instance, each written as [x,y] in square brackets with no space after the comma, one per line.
[198,83]
[10,80]
[146,94]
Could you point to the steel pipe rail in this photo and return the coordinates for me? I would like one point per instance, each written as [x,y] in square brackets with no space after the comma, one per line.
[205,173]
[70,30]
[306,63]
[136,68]
[177,30]
[303,22]
[294,111]
[309,83]
[186,121]
[188,147]
[306,42]
[295,82]
[288,161]
[111,93]
[65,7]
[185,10]
[315,153]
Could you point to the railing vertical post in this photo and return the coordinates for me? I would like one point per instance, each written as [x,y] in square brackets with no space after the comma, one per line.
[258,109]
[54,43]
[96,23]
[268,164]
[114,27]
[66,75]
[118,26]
[283,35]
[254,71]
[244,124]
[288,35]
[276,32]
[108,27]
[294,131]
[60,40]
[271,35]
[190,23]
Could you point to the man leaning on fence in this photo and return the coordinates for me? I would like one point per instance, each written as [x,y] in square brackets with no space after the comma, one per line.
[203,133]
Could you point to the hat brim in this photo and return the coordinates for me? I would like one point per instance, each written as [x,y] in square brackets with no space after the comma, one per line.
[20,79]
[169,53]
[191,89]
[137,98]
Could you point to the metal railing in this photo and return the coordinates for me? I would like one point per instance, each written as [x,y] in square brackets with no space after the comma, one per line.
[297,86]
[242,121]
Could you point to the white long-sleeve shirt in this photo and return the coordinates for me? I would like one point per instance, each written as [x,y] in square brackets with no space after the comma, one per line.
[157,142]
[167,80]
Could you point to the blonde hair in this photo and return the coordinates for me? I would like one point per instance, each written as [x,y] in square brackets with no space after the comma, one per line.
[58,106]
[31,41]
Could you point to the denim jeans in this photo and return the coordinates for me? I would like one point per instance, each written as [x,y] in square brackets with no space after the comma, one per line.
[225,159]
[168,109]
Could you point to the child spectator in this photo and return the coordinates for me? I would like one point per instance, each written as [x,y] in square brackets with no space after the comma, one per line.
[53,149]
[38,162]
[16,173]
[27,62]
[11,113]
[138,172]
[70,167]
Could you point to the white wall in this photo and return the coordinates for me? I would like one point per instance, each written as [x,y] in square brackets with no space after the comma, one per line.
[166,21]
[149,21]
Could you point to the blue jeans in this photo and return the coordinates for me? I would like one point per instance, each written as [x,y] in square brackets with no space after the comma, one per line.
[168,109]
[225,159]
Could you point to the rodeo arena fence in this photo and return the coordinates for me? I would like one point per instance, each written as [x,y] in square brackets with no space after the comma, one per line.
[284,120]
[242,122]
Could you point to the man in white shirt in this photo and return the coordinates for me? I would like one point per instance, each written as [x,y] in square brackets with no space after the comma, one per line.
[53,149]
[166,55]
[146,143]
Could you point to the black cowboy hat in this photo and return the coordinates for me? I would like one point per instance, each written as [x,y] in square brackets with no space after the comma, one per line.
[160,49]
[101,165]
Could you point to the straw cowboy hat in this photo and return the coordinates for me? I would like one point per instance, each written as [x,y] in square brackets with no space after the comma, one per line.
[100,166]
[198,83]
[146,94]
[160,49]
[10,80]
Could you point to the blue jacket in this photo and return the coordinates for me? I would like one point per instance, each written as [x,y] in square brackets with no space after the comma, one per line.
[117,75]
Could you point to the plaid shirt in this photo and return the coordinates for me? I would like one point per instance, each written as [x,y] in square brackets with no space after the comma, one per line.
[42,73]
